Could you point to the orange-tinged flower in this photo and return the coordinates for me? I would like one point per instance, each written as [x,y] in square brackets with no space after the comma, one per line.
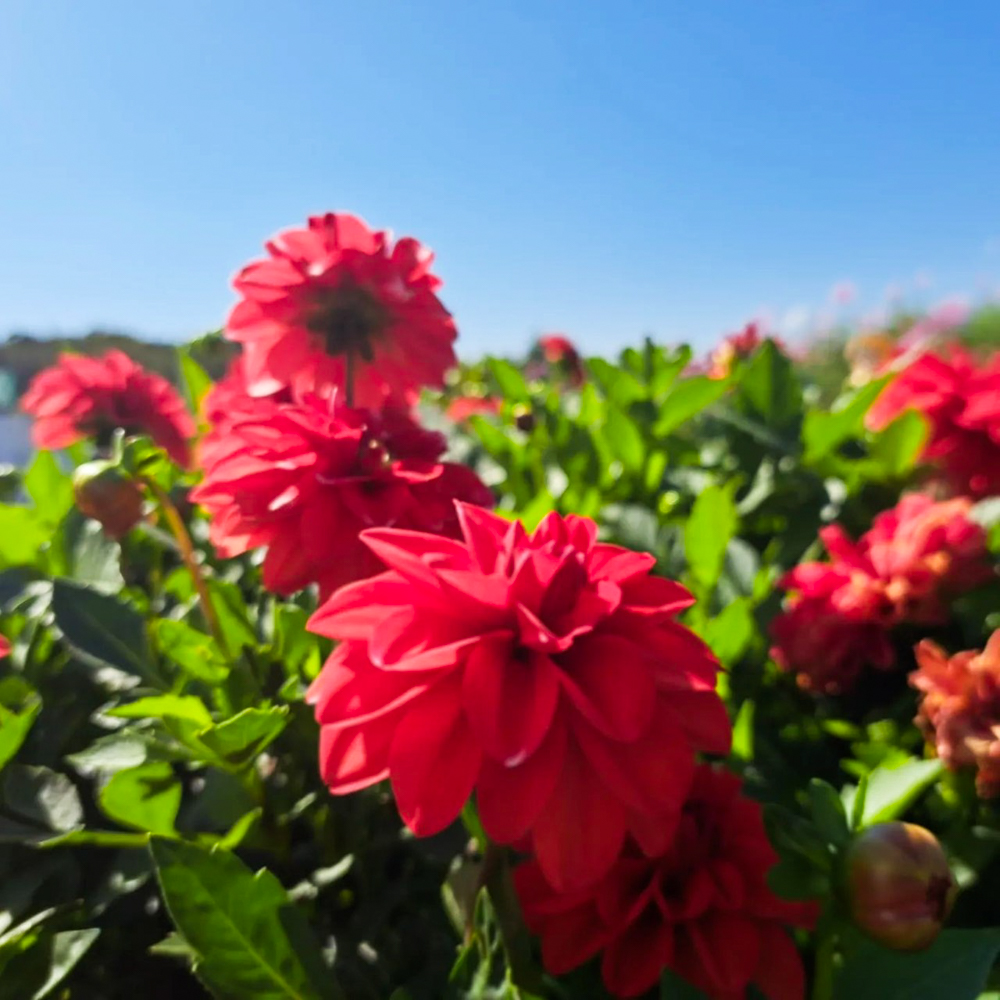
[904,569]
[737,347]
[82,397]
[462,407]
[960,709]
[338,295]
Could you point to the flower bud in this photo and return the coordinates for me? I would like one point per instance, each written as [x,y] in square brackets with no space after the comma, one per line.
[106,494]
[900,889]
[524,419]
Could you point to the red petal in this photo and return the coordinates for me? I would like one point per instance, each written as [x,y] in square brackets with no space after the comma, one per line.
[434,761]
[633,962]
[510,798]
[729,948]
[572,939]
[610,684]
[580,830]
[509,701]
[355,611]
[484,533]
[702,717]
[779,974]
[351,759]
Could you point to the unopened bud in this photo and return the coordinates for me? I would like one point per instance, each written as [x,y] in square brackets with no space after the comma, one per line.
[106,494]
[899,885]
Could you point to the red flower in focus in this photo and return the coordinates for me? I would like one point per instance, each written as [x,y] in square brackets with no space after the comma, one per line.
[305,478]
[338,289]
[545,671]
[902,570]
[960,708]
[701,907]
[962,402]
[462,407]
[83,397]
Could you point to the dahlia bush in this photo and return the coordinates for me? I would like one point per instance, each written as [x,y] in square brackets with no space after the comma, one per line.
[363,674]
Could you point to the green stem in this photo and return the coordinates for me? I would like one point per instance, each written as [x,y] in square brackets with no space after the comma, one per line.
[179,530]
[823,971]
[496,876]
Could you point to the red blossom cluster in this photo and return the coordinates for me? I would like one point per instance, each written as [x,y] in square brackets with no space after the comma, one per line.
[543,675]
[702,907]
[960,708]
[81,397]
[462,407]
[840,615]
[305,477]
[737,346]
[962,402]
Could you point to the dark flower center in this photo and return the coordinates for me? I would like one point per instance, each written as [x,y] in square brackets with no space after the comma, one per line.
[348,319]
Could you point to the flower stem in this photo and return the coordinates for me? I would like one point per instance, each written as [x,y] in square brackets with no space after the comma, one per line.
[823,971]
[524,972]
[186,546]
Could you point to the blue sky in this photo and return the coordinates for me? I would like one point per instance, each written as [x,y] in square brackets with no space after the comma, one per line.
[606,169]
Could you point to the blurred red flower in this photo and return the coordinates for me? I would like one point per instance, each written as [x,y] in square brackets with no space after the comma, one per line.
[962,402]
[4,647]
[560,353]
[304,478]
[544,671]
[914,557]
[701,907]
[737,346]
[338,289]
[82,397]
[462,407]
[960,708]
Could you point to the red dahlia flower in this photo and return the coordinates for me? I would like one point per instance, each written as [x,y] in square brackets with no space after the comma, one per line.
[555,353]
[337,290]
[305,478]
[83,397]
[546,672]
[962,402]
[960,708]
[701,907]
[903,570]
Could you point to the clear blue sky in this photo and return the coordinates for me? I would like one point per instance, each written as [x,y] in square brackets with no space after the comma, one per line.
[603,168]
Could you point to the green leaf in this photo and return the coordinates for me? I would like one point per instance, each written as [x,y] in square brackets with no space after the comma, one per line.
[687,399]
[511,382]
[897,449]
[14,727]
[672,987]
[102,630]
[196,653]
[249,939]
[707,532]
[164,706]
[194,379]
[618,385]
[95,559]
[111,753]
[42,796]
[233,614]
[50,489]
[624,440]
[769,384]
[730,631]
[146,797]
[823,431]
[743,732]
[45,963]
[96,838]
[23,537]
[828,812]
[243,736]
[955,967]
[891,791]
